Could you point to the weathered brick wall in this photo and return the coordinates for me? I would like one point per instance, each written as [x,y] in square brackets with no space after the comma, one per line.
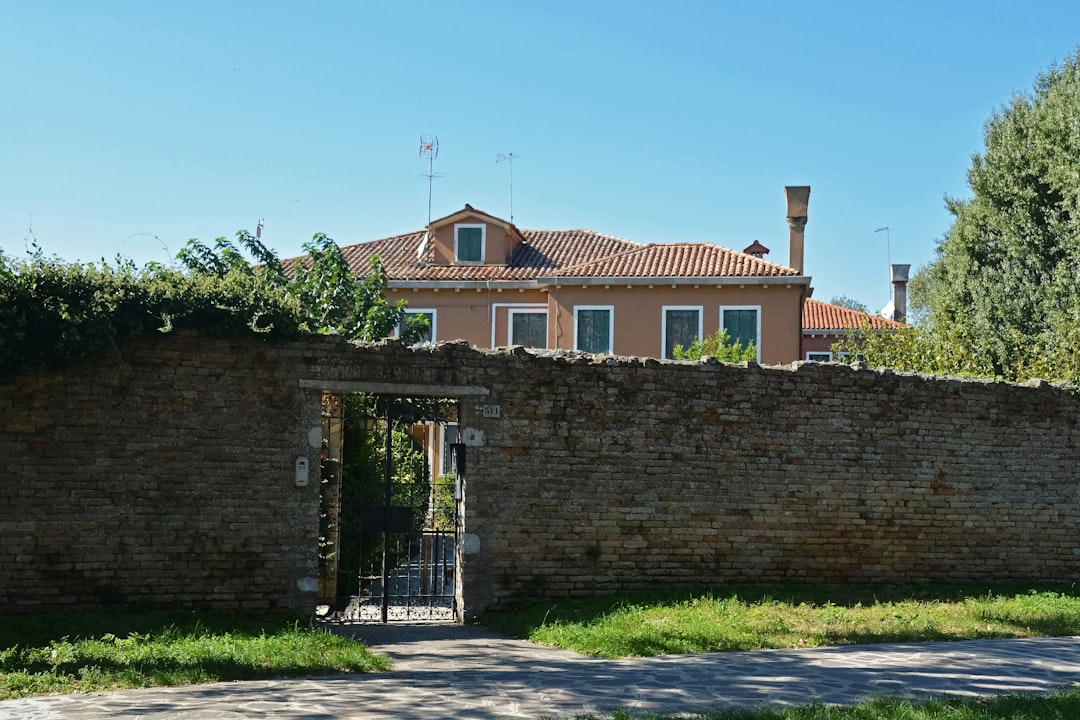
[606,476]
[167,473]
[164,475]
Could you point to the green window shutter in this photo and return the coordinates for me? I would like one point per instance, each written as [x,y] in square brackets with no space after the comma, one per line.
[470,243]
[594,331]
[682,329]
[741,326]
[529,329]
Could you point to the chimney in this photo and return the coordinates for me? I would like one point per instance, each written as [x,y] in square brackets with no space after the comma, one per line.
[899,275]
[798,198]
[757,250]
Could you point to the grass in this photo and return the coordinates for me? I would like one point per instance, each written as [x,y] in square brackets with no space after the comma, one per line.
[1063,705]
[85,652]
[756,617]
[89,652]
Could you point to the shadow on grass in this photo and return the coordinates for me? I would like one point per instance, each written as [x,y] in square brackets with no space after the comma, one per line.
[170,671]
[527,617]
[94,651]
[42,628]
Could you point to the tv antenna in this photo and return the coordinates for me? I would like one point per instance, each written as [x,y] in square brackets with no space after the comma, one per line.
[509,158]
[429,148]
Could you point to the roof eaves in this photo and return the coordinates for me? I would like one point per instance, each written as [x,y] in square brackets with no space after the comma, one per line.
[461,284]
[826,331]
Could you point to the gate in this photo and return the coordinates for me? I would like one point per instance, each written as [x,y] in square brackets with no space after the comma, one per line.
[390,543]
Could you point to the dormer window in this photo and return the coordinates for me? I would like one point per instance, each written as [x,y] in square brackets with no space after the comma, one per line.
[469,243]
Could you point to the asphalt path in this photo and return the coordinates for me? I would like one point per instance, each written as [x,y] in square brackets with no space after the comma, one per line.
[445,671]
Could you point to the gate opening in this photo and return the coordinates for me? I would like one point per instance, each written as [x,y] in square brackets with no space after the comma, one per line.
[389,525]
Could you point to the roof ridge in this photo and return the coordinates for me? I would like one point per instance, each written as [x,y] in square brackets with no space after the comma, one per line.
[608,258]
[580,230]
[723,248]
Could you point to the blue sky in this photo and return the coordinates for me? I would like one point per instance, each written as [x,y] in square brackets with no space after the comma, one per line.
[129,127]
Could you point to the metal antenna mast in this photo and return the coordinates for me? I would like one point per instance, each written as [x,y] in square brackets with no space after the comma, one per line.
[509,157]
[429,148]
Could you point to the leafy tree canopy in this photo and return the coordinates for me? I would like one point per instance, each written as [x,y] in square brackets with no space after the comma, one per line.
[330,297]
[850,303]
[1002,294]
[54,313]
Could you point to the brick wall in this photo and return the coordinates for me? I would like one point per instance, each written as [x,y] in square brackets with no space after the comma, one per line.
[607,476]
[166,472]
[163,474]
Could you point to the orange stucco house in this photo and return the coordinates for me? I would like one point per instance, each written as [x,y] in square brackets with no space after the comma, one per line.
[825,324]
[481,279]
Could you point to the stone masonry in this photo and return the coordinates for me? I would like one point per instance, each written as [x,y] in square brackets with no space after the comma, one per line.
[165,473]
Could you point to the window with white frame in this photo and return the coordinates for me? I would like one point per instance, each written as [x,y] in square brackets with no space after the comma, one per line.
[819,356]
[528,328]
[428,336]
[743,324]
[681,327]
[469,243]
[594,328]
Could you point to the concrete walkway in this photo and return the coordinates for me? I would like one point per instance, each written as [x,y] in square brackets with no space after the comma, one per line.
[468,672]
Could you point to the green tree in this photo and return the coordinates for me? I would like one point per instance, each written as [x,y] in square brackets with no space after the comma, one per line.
[718,345]
[54,313]
[1003,291]
[321,284]
[917,348]
[851,304]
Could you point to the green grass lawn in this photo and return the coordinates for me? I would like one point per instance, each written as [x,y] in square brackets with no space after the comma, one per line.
[1064,705]
[757,617]
[88,652]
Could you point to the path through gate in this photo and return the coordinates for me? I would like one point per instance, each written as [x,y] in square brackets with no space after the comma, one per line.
[394,547]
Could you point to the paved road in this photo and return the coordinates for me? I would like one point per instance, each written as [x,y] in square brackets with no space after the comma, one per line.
[468,672]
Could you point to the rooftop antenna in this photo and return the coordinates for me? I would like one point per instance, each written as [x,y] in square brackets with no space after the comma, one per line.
[509,158]
[429,148]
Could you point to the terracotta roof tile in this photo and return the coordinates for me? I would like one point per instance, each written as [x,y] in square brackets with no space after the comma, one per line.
[567,253]
[678,260]
[822,316]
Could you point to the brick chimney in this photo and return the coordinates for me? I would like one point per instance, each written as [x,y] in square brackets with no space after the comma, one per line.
[798,198]
[899,275]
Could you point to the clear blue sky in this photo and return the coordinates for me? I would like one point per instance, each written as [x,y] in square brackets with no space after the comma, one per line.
[129,127]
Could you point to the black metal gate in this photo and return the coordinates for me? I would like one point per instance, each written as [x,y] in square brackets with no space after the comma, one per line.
[395,545]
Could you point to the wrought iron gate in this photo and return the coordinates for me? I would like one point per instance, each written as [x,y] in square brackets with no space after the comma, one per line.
[395,549]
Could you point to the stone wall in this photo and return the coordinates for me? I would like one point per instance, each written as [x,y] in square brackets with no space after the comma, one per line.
[166,473]
[157,476]
[607,476]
